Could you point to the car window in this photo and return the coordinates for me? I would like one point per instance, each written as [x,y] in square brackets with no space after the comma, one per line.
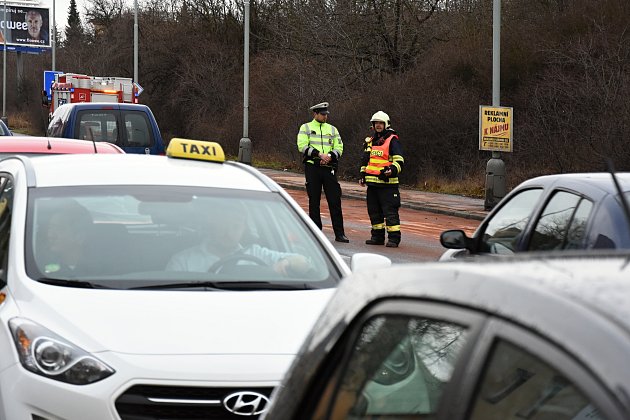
[517,385]
[58,122]
[146,236]
[4,130]
[55,127]
[399,367]
[6,207]
[562,223]
[98,125]
[138,130]
[503,231]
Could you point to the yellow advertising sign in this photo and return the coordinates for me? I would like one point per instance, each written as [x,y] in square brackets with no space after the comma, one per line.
[495,128]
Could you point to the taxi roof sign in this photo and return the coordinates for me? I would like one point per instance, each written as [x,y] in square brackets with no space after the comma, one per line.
[195,149]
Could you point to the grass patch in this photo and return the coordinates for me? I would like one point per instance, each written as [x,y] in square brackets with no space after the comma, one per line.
[470,187]
[276,164]
[19,122]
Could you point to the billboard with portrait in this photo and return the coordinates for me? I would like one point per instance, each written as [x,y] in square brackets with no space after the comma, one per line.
[25,26]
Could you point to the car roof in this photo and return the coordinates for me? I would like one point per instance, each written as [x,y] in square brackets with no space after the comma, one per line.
[103,105]
[598,283]
[600,180]
[137,169]
[526,288]
[53,145]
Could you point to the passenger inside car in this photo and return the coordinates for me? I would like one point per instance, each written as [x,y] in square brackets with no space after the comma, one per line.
[65,234]
[228,244]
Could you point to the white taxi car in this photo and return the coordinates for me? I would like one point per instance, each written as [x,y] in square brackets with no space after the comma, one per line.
[153,287]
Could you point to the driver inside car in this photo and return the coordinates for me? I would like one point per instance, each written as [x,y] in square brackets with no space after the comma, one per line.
[224,242]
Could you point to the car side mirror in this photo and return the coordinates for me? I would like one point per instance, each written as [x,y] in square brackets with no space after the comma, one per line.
[454,239]
[362,261]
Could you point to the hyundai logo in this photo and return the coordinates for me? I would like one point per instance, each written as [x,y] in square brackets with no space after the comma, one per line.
[246,403]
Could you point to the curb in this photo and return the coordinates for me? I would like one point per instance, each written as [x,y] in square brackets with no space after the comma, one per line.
[404,203]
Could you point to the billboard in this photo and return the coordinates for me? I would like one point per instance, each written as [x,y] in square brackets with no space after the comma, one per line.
[496,128]
[25,26]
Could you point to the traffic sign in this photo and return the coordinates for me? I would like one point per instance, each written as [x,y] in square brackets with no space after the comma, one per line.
[139,89]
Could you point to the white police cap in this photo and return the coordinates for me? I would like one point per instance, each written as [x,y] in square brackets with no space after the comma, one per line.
[320,108]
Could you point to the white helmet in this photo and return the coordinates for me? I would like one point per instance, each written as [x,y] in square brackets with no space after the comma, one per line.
[382,117]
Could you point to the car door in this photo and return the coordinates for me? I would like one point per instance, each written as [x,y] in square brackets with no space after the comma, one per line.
[562,223]
[397,361]
[424,360]
[506,227]
[522,375]
[137,134]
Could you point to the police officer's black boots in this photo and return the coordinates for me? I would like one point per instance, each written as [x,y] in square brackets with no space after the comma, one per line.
[342,238]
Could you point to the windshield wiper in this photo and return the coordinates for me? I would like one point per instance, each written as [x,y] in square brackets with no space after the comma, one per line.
[81,284]
[225,285]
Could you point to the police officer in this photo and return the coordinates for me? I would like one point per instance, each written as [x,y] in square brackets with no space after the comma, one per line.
[321,147]
[381,163]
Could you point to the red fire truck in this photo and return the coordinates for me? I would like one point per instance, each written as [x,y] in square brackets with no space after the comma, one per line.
[71,87]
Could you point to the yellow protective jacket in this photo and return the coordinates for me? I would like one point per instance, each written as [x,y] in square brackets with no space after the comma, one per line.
[315,137]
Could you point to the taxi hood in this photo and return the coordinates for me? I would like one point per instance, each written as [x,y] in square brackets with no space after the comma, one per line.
[178,322]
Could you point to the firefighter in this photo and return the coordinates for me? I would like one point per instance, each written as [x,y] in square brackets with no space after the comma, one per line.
[321,148]
[381,164]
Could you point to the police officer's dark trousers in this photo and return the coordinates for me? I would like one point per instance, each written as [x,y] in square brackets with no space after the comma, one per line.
[383,203]
[326,177]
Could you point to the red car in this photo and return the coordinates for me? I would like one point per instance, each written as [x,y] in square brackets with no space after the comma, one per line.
[27,145]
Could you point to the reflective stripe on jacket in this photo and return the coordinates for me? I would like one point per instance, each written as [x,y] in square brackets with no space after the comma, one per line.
[322,137]
[379,159]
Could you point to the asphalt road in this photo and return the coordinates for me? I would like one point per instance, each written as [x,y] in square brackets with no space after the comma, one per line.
[420,230]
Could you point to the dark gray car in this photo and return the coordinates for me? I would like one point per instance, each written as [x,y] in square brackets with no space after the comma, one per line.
[515,338]
[550,213]
[4,130]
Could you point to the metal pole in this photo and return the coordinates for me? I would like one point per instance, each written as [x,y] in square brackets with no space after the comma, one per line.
[495,168]
[135,42]
[496,53]
[54,35]
[4,65]
[246,74]
[245,145]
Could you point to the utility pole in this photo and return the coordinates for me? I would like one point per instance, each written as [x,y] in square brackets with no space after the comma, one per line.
[54,35]
[495,168]
[4,66]
[135,42]
[245,145]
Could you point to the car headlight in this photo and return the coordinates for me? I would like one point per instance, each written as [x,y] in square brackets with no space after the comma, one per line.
[43,352]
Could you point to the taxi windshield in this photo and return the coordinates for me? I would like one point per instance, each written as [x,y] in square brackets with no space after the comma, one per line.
[172,237]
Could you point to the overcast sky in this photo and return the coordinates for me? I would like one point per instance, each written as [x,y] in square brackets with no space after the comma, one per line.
[61,11]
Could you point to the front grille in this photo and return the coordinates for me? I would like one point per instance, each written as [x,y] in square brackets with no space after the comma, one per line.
[150,402]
